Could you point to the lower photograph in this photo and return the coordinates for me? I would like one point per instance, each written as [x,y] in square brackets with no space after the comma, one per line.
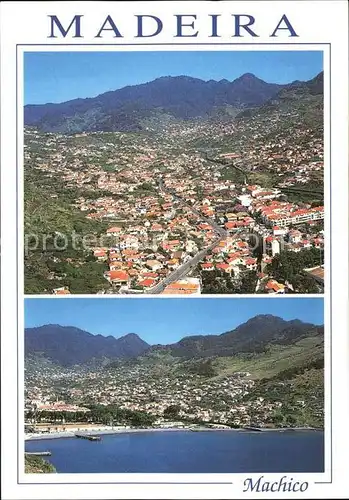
[174,385]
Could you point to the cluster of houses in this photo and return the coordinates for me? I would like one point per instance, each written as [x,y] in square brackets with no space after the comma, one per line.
[214,400]
[57,406]
[154,233]
[144,255]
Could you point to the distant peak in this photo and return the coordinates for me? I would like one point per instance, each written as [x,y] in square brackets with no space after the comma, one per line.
[131,336]
[265,317]
[247,76]
[295,322]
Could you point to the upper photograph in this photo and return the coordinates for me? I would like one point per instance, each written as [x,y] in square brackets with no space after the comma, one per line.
[173,172]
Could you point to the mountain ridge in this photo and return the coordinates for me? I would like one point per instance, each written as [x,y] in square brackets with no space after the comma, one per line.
[250,337]
[70,345]
[163,79]
[243,338]
[126,108]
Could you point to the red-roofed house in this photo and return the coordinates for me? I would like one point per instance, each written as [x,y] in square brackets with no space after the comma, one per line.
[305,244]
[100,254]
[61,291]
[146,283]
[274,287]
[222,266]
[117,276]
[114,231]
[207,266]
[318,242]
[205,227]
[279,231]
[230,225]
[250,263]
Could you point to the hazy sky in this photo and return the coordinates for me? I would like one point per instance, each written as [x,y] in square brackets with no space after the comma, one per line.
[61,76]
[162,321]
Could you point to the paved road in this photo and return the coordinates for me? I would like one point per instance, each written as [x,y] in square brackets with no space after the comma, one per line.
[219,230]
[184,269]
[188,266]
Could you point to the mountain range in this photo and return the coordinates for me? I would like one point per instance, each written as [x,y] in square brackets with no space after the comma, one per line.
[177,98]
[67,346]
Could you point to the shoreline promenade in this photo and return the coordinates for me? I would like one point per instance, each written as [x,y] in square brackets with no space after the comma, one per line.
[111,431]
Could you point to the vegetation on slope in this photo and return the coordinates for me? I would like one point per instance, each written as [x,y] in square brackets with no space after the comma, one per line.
[35,465]
[50,223]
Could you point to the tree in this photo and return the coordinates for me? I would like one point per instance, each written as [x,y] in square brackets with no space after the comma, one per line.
[172,411]
[277,418]
[289,266]
[141,419]
[248,282]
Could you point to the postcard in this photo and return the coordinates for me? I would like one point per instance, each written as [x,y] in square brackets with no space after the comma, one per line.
[174,186]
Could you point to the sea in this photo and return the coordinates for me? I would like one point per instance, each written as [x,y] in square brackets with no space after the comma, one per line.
[188,452]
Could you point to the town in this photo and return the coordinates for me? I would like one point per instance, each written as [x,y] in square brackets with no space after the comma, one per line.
[59,399]
[187,207]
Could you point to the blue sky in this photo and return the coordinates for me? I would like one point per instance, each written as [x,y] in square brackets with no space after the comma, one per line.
[61,76]
[165,320]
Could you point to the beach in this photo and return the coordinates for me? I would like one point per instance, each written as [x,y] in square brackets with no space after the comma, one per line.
[107,430]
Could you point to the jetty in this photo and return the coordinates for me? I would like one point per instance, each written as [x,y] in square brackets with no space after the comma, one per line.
[90,437]
[38,453]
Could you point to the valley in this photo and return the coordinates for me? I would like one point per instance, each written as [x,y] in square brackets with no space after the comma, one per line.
[266,373]
[221,180]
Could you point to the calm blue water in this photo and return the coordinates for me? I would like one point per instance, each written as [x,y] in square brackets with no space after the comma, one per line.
[196,452]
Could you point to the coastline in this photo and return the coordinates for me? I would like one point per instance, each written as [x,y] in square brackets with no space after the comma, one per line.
[104,431]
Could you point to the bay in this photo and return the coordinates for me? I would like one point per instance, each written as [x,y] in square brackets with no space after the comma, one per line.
[187,451]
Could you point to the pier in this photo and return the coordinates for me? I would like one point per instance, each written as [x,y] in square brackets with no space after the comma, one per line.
[38,453]
[90,437]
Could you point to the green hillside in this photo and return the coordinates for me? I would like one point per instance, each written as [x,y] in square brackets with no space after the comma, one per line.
[35,465]
[277,359]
